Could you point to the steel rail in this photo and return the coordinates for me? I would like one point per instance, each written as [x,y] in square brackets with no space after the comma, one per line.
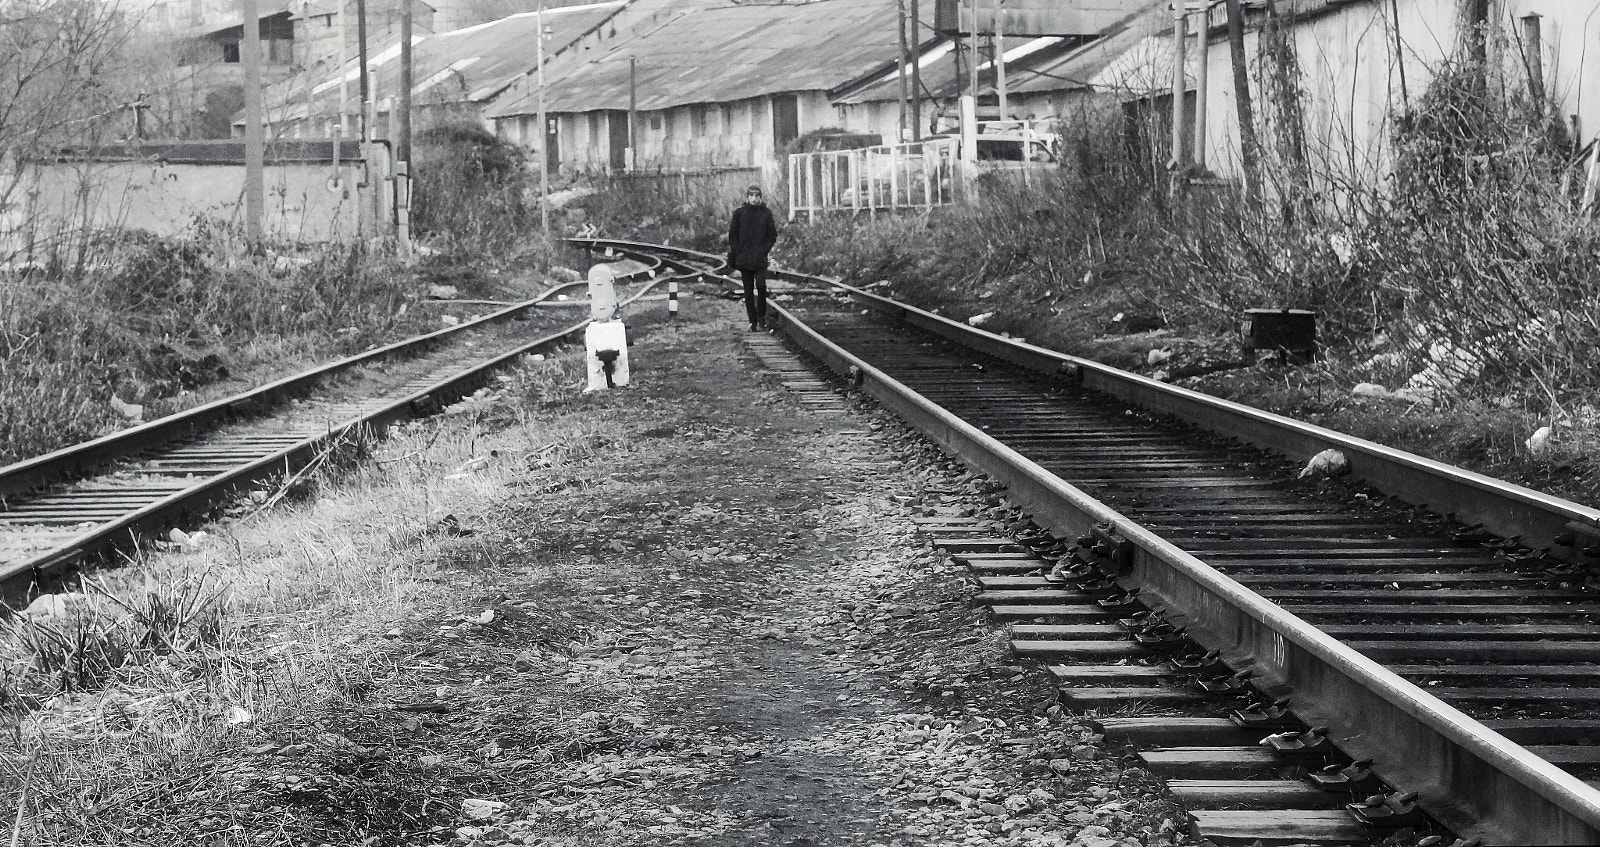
[80,459]
[1470,778]
[287,459]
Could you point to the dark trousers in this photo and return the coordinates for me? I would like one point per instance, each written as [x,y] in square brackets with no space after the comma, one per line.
[755,294]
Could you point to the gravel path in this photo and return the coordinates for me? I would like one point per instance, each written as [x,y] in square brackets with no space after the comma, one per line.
[717,625]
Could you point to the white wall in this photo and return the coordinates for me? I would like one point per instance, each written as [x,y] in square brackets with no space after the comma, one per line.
[68,199]
[1353,79]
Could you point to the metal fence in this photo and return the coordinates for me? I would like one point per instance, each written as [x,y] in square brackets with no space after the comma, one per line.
[920,174]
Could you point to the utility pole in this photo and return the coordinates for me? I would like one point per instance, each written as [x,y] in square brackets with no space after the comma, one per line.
[1000,61]
[1176,165]
[344,83]
[402,144]
[633,108]
[1241,98]
[916,72]
[254,133]
[544,129]
[402,169]
[361,56]
[900,16]
[1201,84]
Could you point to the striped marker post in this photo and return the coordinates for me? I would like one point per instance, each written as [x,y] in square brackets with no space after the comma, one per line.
[672,299]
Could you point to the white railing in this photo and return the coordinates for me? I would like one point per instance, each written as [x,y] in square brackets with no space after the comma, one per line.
[915,175]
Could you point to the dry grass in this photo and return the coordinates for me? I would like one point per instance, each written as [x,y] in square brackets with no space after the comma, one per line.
[115,710]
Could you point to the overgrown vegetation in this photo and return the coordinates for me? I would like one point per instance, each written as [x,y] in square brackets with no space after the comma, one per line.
[469,193]
[151,320]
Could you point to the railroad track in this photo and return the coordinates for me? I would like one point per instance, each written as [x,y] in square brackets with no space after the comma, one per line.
[62,508]
[1437,673]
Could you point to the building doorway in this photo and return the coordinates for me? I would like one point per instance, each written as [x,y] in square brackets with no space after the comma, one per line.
[785,119]
[619,139]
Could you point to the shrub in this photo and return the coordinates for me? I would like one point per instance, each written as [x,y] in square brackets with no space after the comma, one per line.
[468,198]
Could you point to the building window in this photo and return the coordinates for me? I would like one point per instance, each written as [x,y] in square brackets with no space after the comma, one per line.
[655,120]
[230,53]
[697,120]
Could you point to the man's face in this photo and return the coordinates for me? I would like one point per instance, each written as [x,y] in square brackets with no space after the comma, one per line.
[753,197]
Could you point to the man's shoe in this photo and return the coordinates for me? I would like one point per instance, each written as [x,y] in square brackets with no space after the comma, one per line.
[753,326]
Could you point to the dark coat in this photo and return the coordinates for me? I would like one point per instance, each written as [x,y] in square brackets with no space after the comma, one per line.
[751,234]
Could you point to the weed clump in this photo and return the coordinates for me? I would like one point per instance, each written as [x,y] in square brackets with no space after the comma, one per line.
[152,320]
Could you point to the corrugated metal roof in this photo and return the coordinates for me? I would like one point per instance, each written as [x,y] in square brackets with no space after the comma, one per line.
[1064,65]
[714,51]
[1082,67]
[470,64]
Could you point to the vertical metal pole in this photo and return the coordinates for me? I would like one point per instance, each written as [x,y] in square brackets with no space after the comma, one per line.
[672,299]
[367,129]
[402,210]
[972,60]
[1201,79]
[916,72]
[402,173]
[633,107]
[344,82]
[544,128]
[900,16]
[1000,61]
[254,133]
[402,144]
[1180,34]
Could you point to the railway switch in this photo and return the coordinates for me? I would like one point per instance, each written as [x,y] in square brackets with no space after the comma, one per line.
[605,339]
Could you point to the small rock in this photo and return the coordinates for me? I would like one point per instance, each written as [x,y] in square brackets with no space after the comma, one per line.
[1539,443]
[443,292]
[132,411]
[476,809]
[1328,463]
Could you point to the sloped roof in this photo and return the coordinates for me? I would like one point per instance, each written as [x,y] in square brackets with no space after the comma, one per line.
[713,51]
[1032,65]
[471,64]
[1086,65]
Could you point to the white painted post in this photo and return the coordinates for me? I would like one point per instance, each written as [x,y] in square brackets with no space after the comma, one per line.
[894,176]
[969,143]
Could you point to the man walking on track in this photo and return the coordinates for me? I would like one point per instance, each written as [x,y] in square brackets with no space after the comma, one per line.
[751,235]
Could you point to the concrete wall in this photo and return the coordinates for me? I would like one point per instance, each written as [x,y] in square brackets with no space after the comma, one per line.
[1353,77]
[64,201]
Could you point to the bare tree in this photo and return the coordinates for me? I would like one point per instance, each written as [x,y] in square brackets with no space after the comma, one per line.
[62,80]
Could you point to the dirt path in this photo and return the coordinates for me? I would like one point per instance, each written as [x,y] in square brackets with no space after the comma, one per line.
[720,627]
